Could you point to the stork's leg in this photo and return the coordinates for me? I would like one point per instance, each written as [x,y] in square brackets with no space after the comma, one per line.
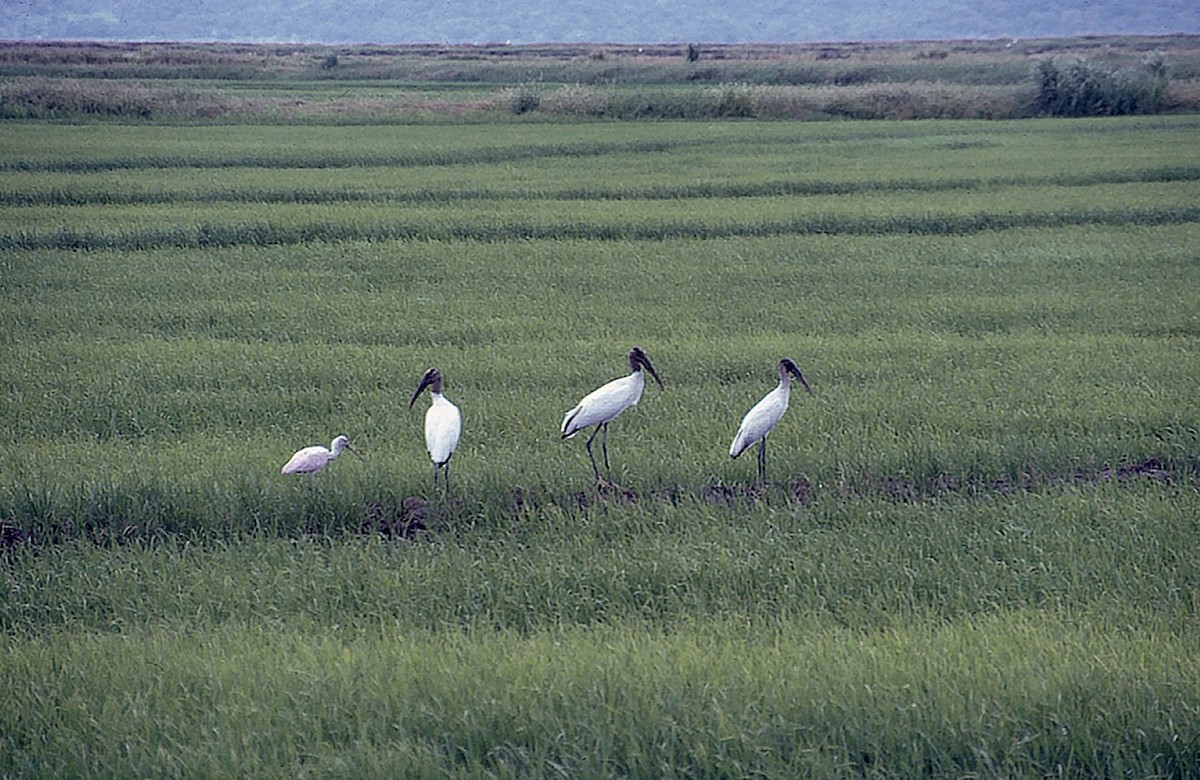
[762,460]
[604,447]
[446,476]
[589,451]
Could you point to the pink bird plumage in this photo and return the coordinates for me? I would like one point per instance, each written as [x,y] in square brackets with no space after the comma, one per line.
[315,458]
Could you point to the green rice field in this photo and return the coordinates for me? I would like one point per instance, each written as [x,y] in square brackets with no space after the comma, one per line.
[976,554]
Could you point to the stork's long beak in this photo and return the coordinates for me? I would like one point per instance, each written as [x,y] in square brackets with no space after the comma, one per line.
[357,454]
[645,362]
[426,381]
[796,373]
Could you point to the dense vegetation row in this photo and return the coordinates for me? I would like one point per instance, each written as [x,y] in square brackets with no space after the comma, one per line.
[984,79]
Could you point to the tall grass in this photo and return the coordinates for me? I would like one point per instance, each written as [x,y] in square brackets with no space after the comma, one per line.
[58,98]
[732,699]
[1001,635]
[1084,89]
[1079,551]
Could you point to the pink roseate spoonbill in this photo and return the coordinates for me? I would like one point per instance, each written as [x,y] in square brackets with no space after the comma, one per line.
[443,424]
[600,406]
[314,458]
[762,418]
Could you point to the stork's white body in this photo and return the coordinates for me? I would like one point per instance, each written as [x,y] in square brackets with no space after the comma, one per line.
[604,403]
[443,426]
[765,415]
[600,406]
[761,418]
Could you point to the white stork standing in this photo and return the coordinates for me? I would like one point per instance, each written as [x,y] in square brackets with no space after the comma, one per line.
[600,406]
[443,424]
[762,418]
[314,458]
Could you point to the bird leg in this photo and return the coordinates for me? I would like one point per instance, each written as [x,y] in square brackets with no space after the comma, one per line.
[762,460]
[604,448]
[445,476]
[593,457]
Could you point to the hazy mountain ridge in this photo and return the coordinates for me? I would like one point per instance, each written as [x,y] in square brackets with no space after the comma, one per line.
[526,21]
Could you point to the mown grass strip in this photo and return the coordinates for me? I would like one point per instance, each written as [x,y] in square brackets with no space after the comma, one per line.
[327,160]
[510,147]
[705,190]
[208,235]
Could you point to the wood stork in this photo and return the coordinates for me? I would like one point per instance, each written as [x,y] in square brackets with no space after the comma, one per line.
[314,458]
[443,424]
[600,406]
[762,418]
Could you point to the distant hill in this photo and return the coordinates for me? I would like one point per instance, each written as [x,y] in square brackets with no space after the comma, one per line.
[618,21]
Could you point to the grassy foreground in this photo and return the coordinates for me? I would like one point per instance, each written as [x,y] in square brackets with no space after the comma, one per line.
[1000,636]
[1007,695]
[974,554]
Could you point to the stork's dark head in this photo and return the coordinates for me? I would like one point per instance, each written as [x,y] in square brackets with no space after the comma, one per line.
[639,360]
[788,366]
[431,379]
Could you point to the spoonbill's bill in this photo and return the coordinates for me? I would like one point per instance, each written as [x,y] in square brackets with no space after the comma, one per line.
[600,406]
[765,414]
[314,458]
[443,424]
